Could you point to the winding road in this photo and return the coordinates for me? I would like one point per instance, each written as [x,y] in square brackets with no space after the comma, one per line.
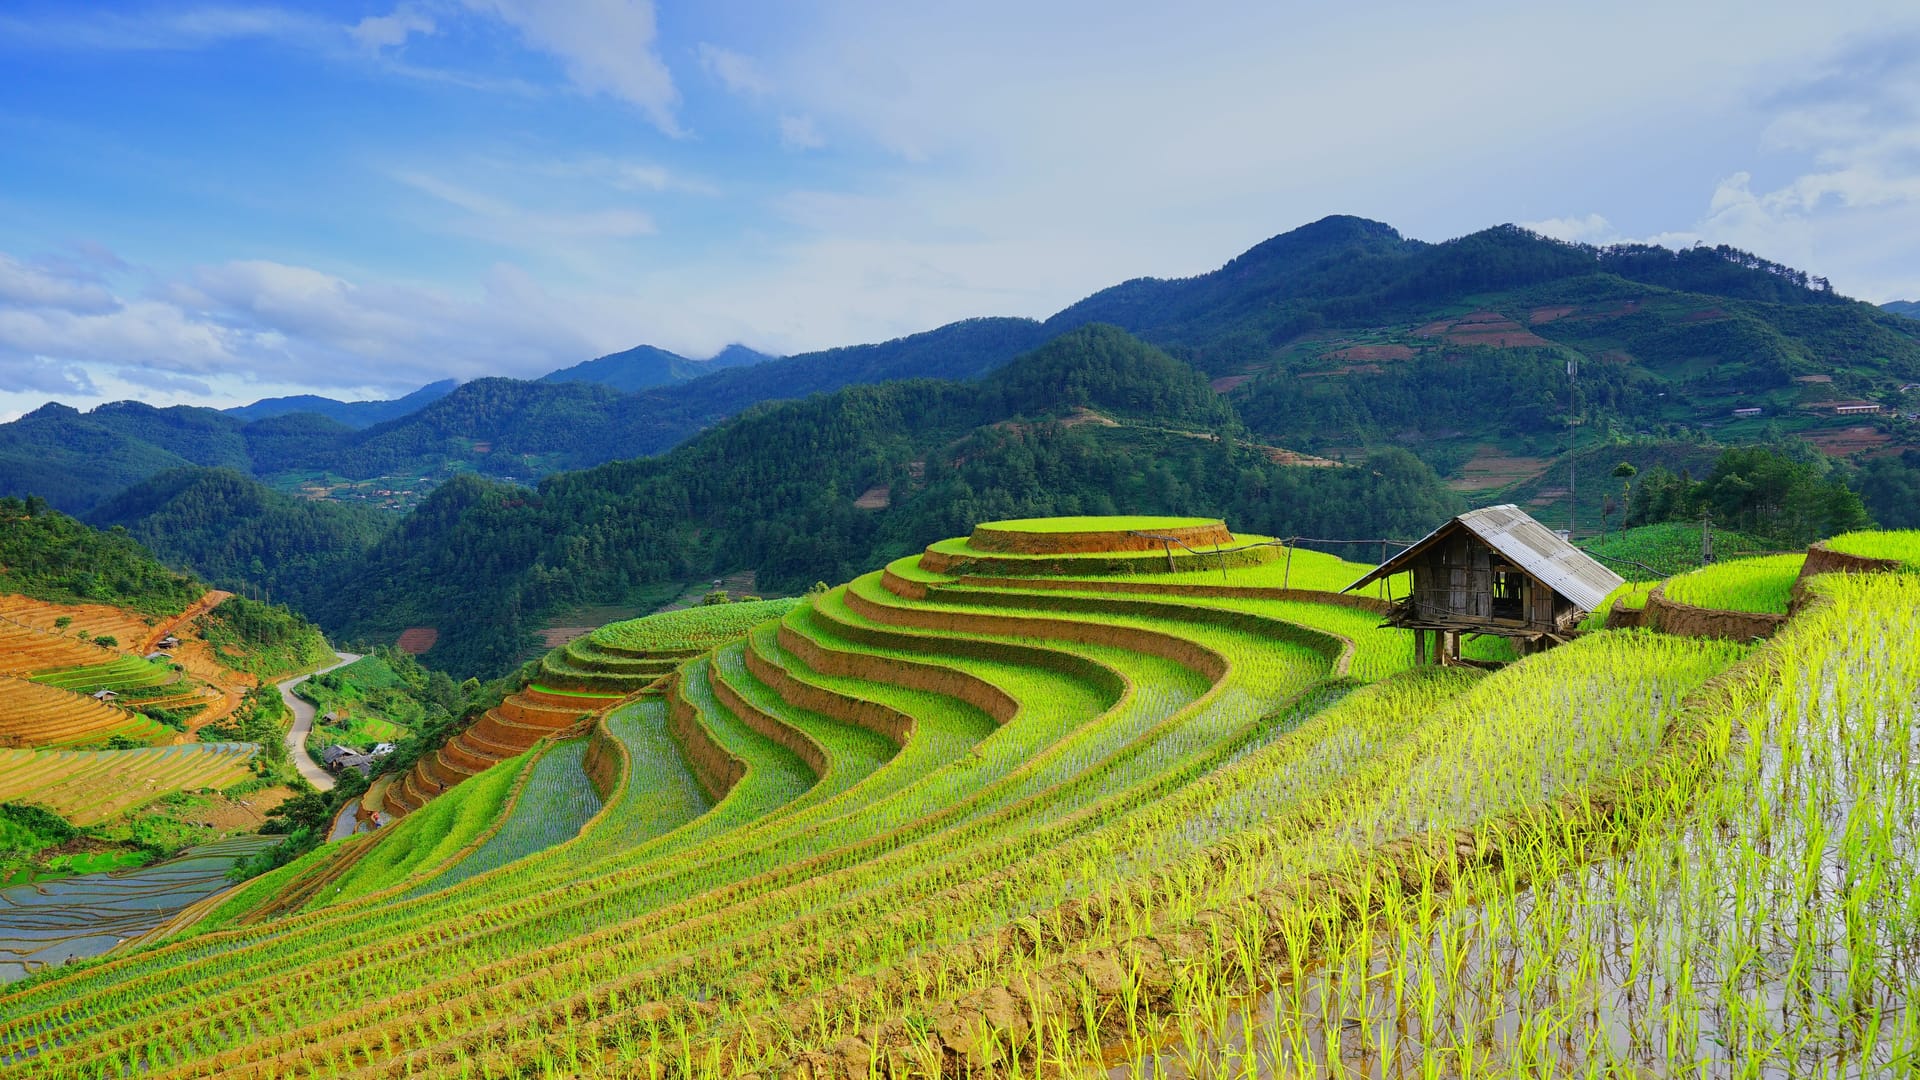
[303,715]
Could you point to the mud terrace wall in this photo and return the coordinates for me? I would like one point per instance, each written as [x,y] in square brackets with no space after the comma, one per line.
[1021,542]
[1685,620]
[606,763]
[886,721]
[941,562]
[1822,559]
[771,726]
[715,769]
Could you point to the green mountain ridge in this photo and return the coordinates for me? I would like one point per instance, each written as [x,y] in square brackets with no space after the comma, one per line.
[644,367]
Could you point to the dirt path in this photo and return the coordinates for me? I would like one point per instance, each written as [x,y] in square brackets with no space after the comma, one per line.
[213,599]
[303,715]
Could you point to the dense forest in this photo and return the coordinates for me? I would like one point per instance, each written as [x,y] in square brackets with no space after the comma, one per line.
[1664,342]
[775,491]
[50,556]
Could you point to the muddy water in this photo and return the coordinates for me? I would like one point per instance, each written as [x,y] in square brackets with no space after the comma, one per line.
[50,922]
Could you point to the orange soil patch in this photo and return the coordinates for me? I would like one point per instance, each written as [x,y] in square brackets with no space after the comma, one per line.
[877,497]
[1374,352]
[1489,329]
[96,619]
[415,640]
[1492,468]
[1704,315]
[1542,315]
[212,599]
[1226,383]
[1851,440]
[483,448]
[36,715]
[24,649]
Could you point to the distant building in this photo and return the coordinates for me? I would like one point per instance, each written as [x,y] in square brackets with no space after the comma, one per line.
[382,749]
[1856,408]
[168,642]
[104,695]
[1747,412]
[1494,571]
[159,654]
[334,753]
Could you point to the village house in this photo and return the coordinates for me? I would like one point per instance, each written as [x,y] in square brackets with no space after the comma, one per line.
[1493,571]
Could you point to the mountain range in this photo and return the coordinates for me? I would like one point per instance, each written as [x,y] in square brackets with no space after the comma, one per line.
[1443,369]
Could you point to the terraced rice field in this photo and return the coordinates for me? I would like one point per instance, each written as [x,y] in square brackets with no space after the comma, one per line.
[88,786]
[24,650]
[1762,584]
[48,923]
[36,715]
[926,825]
[130,628]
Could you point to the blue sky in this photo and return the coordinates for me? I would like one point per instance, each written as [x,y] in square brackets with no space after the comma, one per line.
[210,203]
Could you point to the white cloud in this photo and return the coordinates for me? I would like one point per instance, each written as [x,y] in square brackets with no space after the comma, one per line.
[736,71]
[378,32]
[607,47]
[800,133]
[1591,229]
[491,218]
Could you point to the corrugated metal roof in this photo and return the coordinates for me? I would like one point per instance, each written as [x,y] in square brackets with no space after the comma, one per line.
[1533,547]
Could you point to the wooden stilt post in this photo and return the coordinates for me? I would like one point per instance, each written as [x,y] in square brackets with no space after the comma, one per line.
[1286,575]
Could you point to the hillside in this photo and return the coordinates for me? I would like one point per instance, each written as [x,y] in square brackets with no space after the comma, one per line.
[354,414]
[1336,338]
[644,367]
[1908,308]
[1093,422]
[1080,813]
[241,535]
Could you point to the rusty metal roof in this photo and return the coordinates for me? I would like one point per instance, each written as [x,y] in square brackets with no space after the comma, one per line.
[1532,546]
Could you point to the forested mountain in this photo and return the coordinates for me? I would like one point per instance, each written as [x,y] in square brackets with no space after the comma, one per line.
[243,536]
[1334,338]
[1909,308]
[354,414]
[1093,422]
[644,367]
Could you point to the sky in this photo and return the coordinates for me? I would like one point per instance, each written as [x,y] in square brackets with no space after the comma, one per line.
[212,203]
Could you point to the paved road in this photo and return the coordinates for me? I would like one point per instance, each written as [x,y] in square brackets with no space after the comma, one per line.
[303,714]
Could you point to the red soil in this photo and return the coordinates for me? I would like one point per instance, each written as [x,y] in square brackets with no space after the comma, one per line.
[415,640]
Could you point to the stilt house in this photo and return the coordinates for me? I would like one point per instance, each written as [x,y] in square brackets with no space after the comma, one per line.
[1493,571]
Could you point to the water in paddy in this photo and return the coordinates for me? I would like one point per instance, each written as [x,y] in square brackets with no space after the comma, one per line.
[50,922]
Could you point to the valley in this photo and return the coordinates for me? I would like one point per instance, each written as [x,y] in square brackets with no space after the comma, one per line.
[1063,790]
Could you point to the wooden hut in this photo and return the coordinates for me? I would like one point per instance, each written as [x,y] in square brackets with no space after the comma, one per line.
[1493,571]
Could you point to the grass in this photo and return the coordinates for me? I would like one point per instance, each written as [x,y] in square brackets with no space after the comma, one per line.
[1760,584]
[1652,552]
[691,628]
[1174,825]
[1900,544]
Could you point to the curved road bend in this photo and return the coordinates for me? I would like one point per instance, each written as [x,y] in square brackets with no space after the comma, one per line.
[303,714]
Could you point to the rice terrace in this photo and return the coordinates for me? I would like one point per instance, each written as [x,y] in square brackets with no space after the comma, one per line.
[1105,796]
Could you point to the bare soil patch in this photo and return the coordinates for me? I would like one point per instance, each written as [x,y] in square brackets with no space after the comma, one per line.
[415,640]
[1375,352]
[1542,315]
[1848,441]
[1227,383]
[1491,467]
[877,497]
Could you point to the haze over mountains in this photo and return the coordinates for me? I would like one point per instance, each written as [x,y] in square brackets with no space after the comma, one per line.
[1441,367]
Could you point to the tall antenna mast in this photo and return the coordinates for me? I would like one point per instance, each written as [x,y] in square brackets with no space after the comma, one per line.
[1573,446]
